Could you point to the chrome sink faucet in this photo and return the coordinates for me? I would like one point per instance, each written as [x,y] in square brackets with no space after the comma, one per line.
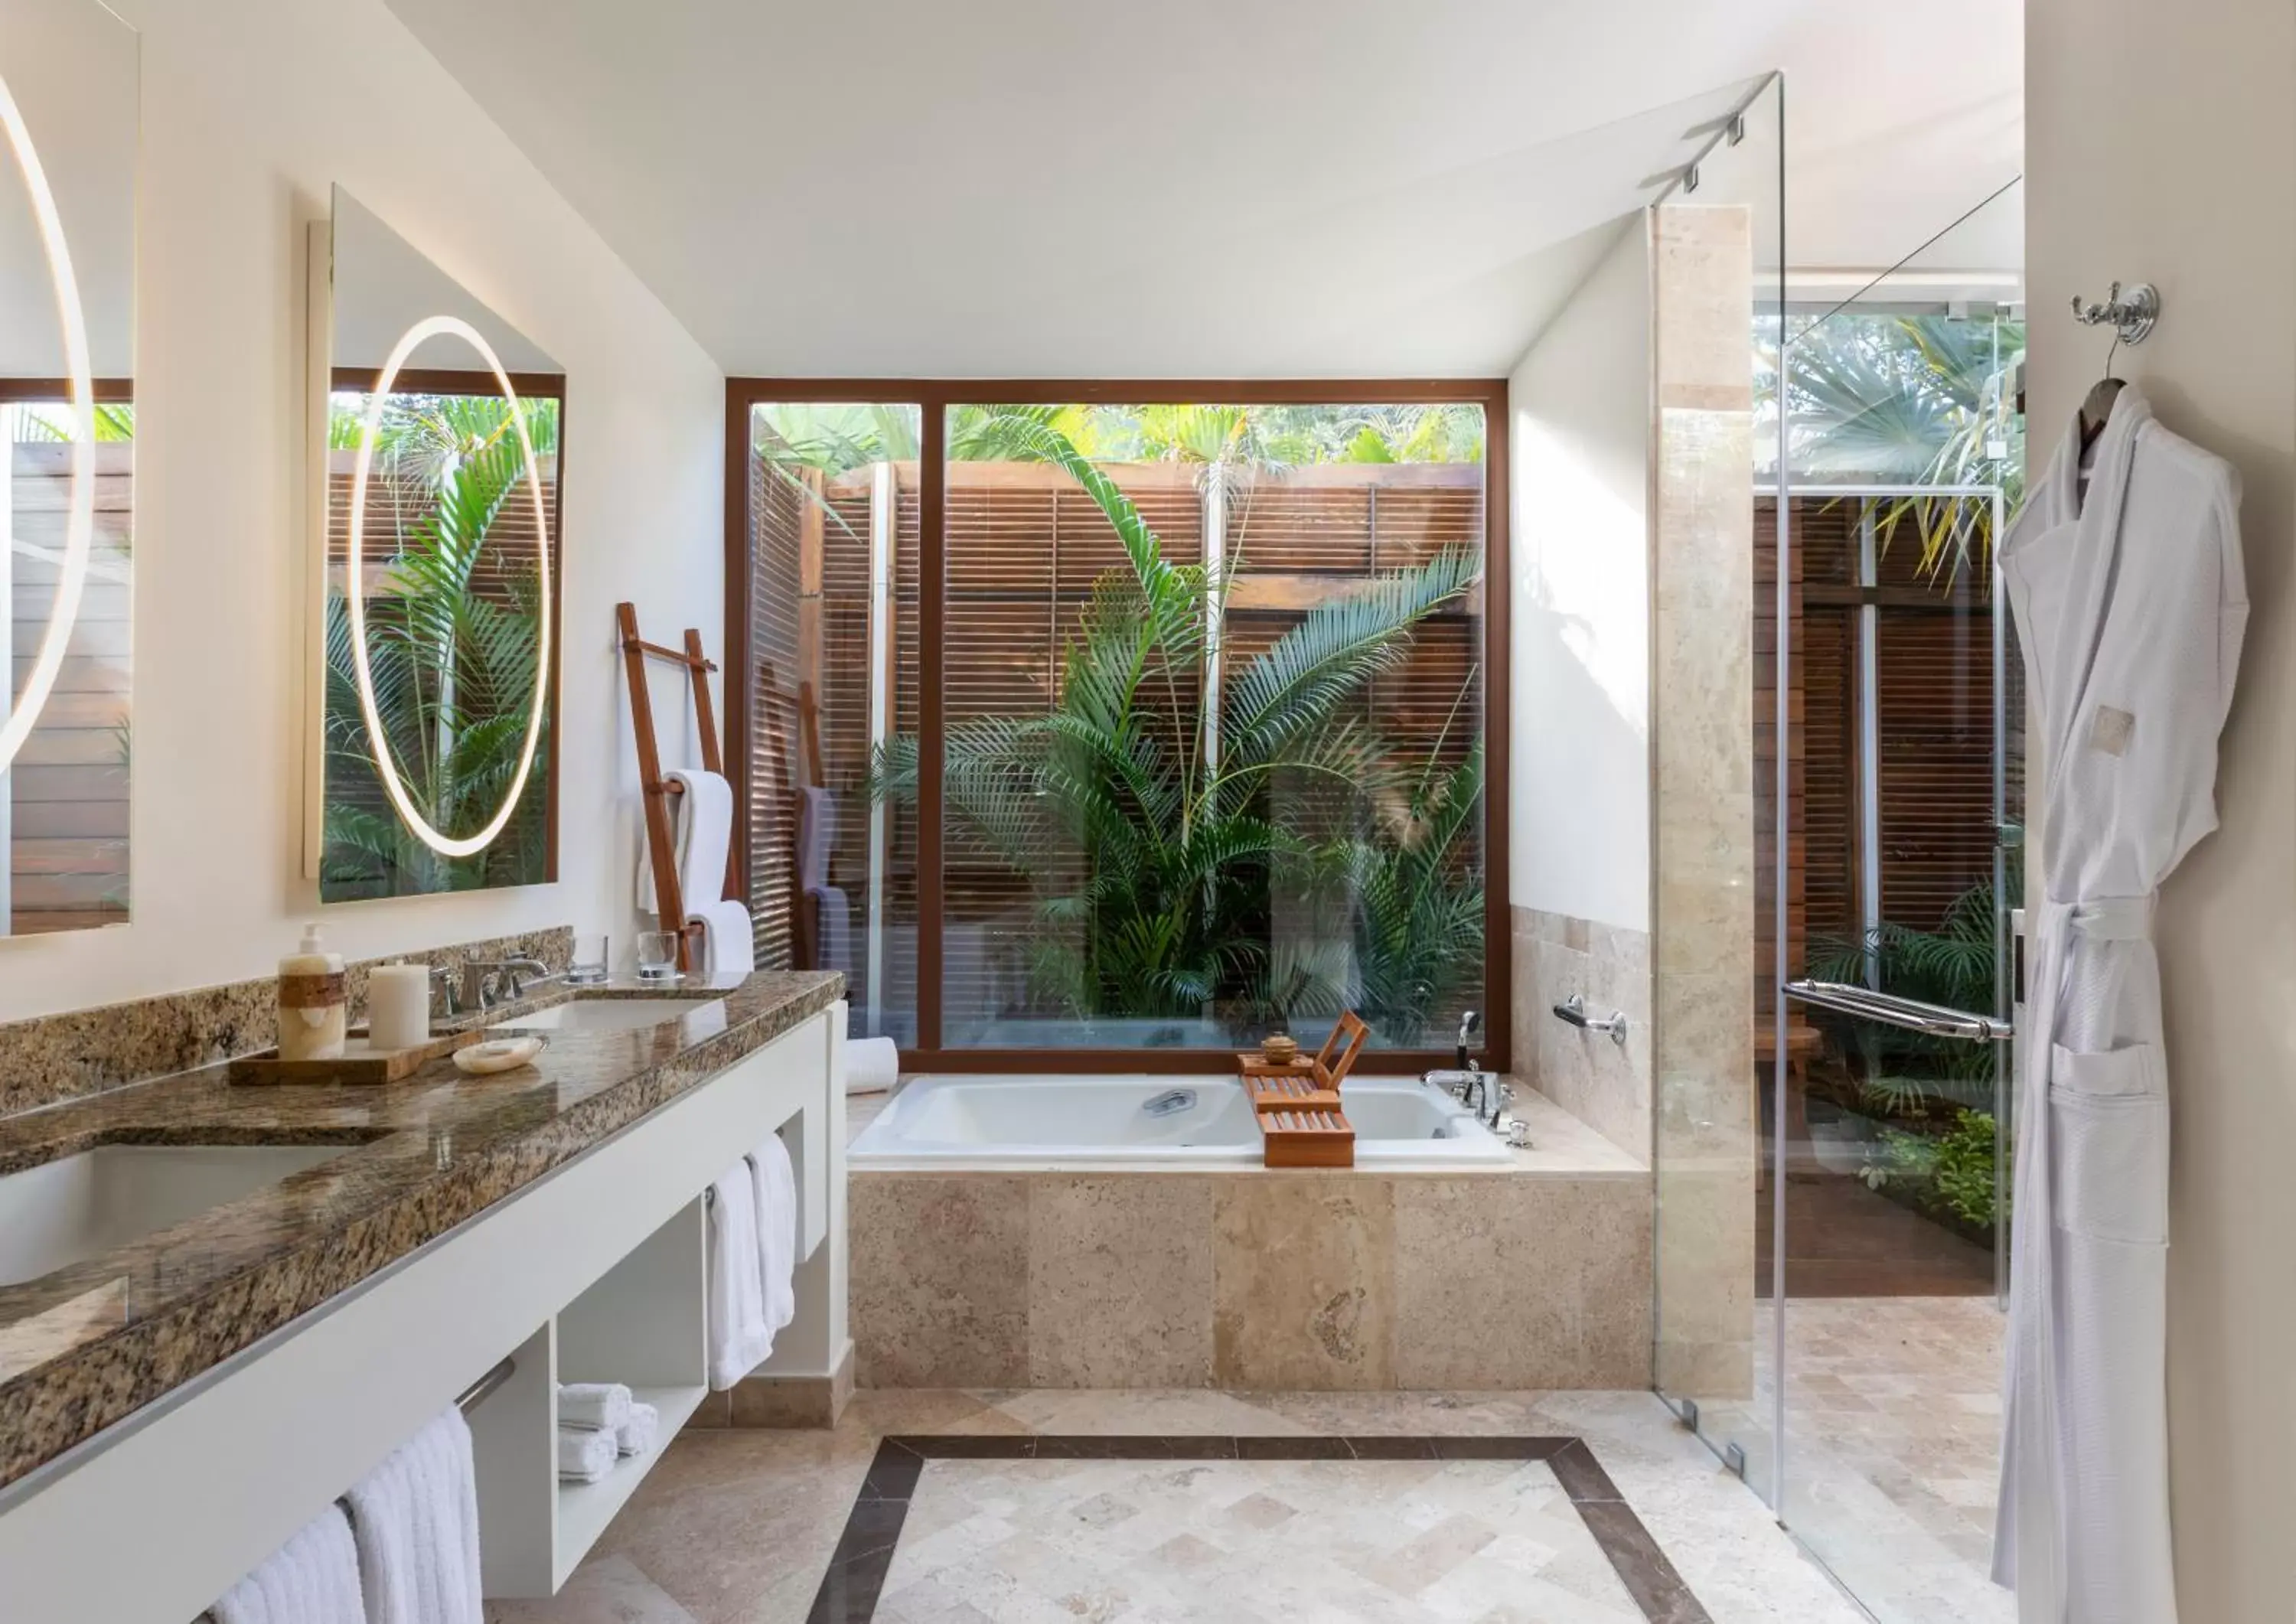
[486,982]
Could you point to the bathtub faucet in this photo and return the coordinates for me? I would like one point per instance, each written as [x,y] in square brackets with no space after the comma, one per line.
[1480,1091]
[1468,1022]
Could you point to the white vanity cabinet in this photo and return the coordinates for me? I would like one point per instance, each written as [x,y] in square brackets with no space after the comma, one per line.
[594,1272]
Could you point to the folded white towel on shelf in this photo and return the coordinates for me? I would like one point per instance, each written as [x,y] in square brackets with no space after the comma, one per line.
[416,1520]
[598,1406]
[739,1336]
[314,1579]
[776,1183]
[585,1456]
[635,1436]
[728,946]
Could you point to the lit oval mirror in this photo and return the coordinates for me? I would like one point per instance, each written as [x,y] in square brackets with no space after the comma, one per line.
[67,104]
[441,454]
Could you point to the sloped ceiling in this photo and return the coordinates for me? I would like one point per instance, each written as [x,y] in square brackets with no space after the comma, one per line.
[1206,188]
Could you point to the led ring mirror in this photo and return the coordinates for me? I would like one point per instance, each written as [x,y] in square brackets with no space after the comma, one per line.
[80,524]
[355,591]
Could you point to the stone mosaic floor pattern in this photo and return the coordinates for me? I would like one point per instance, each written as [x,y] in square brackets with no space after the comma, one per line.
[1247,1541]
[738,1526]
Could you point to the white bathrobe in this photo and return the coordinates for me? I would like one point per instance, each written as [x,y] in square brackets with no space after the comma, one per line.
[2130,601]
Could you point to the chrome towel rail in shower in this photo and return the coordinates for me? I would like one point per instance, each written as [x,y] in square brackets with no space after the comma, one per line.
[1933,1019]
[1573,1009]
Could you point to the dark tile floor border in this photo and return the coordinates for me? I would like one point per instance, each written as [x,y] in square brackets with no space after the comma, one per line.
[865,1553]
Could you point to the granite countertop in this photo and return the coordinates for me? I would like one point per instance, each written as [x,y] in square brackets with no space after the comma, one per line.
[90,1344]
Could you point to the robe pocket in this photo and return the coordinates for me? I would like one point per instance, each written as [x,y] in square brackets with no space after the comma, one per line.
[2109,1129]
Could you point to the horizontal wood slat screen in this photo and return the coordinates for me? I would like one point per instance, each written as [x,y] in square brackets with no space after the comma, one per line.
[1024,545]
[67,864]
[1934,665]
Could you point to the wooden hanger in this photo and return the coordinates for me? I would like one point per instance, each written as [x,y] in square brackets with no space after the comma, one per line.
[2097,407]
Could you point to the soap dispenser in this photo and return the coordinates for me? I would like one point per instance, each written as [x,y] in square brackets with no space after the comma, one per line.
[313,1006]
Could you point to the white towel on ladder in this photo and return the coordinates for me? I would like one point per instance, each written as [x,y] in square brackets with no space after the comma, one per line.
[314,1579]
[700,839]
[739,1336]
[416,1520]
[728,945]
[776,1179]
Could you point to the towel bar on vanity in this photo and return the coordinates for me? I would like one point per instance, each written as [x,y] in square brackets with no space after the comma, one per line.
[476,1394]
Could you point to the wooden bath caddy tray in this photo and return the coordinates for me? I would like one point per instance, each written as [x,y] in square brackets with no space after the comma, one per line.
[1307,1138]
[1291,1090]
[356,1065]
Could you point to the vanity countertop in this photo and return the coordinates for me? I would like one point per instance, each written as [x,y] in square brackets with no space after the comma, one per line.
[87,1346]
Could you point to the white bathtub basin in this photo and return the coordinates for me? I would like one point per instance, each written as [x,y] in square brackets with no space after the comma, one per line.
[616,1015]
[1027,1122]
[56,1214]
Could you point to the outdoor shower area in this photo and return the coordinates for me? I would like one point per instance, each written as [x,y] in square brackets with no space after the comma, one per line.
[1207,705]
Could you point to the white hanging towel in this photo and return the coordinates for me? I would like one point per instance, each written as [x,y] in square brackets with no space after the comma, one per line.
[2131,603]
[728,946]
[776,1183]
[416,1520]
[314,1579]
[702,838]
[739,1336]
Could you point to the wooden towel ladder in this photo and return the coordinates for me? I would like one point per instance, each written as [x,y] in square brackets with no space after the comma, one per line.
[660,808]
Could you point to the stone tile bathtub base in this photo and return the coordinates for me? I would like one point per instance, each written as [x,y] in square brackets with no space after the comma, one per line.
[1250,1282]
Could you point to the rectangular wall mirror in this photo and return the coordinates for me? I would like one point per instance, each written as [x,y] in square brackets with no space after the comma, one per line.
[441,443]
[69,81]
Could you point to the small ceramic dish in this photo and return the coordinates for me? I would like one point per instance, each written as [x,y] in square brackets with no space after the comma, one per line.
[500,1055]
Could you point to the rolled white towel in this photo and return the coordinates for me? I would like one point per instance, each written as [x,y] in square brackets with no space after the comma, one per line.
[585,1456]
[600,1406]
[872,1065]
[636,1435]
[314,1579]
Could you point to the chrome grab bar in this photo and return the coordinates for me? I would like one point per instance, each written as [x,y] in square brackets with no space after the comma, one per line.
[1573,1009]
[1935,1019]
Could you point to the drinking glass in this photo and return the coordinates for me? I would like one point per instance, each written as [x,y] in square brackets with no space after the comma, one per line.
[657,955]
[592,959]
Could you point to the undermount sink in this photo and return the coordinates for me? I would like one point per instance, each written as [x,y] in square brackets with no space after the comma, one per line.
[56,1214]
[615,1015]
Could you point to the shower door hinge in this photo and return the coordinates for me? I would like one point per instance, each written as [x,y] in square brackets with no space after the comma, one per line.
[1687,1408]
[1735,1457]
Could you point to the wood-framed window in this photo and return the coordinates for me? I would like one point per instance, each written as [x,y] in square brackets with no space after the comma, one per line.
[1107,725]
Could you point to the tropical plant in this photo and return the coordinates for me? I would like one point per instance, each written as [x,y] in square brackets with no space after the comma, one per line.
[1419,895]
[1913,400]
[452,649]
[1955,1172]
[1157,833]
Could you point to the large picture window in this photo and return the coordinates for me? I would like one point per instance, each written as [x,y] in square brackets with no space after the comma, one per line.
[1127,728]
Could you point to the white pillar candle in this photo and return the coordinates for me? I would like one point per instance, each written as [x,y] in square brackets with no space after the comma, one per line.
[397,1006]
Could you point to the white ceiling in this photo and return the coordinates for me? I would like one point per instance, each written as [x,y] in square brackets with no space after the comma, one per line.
[1207,188]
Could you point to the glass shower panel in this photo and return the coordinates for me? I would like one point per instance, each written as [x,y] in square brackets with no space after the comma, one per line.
[1716,255]
[1905,456]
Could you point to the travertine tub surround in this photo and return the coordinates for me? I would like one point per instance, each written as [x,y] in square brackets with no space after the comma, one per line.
[66,1056]
[1253,1279]
[1605,1085]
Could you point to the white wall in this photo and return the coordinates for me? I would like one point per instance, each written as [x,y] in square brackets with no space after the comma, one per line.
[251,110]
[1580,784]
[2158,149]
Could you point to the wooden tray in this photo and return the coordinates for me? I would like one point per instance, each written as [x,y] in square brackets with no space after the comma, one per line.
[356,1065]
[1290,1091]
[1307,1138]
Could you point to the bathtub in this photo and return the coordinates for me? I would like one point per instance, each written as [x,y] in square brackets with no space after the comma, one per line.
[1144,1124]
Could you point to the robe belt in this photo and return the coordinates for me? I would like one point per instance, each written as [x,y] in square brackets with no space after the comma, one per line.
[2125,919]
